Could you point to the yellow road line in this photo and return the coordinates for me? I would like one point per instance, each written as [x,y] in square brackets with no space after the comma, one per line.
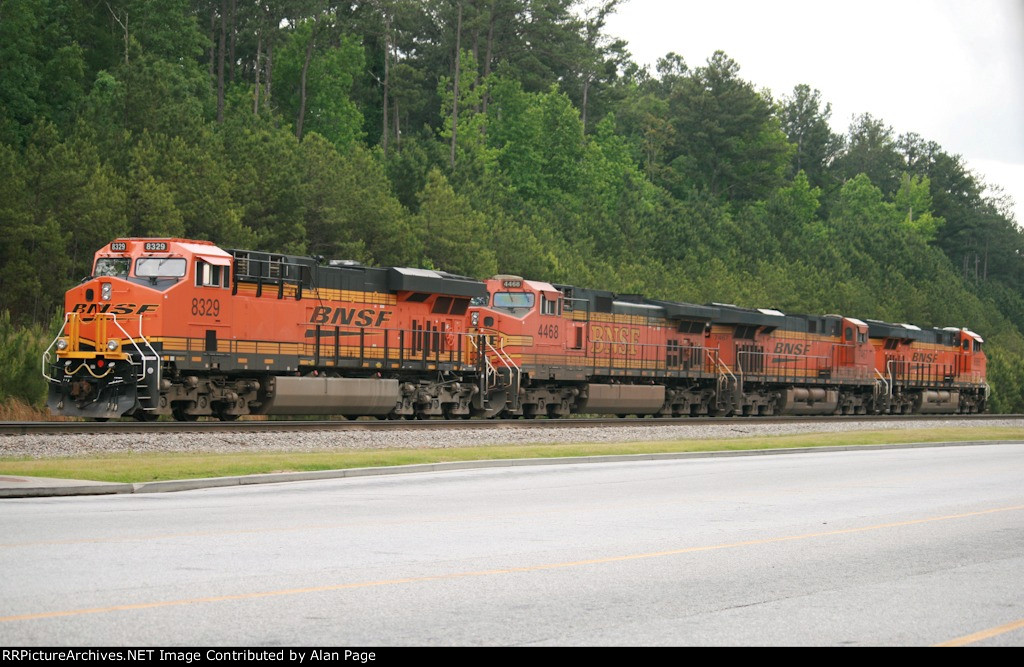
[509,570]
[984,634]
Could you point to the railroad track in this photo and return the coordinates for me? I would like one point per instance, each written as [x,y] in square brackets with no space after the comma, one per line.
[263,426]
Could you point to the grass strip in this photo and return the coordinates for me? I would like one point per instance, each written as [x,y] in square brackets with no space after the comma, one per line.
[146,467]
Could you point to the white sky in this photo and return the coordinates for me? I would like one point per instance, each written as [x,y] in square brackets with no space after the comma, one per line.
[949,70]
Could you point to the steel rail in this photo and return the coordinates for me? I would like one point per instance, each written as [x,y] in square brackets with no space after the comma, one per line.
[256,426]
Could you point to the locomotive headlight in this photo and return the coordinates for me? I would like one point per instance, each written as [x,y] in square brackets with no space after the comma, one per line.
[475,319]
[105,291]
[112,344]
[62,344]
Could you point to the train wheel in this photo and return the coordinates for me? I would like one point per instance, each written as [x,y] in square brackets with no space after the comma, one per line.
[497,401]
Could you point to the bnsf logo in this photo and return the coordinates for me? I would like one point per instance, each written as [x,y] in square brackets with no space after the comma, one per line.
[925,357]
[620,340]
[345,316]
[114,308]
[792,348]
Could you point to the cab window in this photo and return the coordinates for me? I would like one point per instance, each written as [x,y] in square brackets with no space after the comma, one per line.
[160,267]
[514,302]
[112,267]
[209,275]
[548,306]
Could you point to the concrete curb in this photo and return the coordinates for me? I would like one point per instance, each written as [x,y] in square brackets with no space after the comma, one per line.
[75,488]
[83,489]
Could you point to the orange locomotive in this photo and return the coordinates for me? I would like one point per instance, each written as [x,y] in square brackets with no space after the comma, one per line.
[183,328]
[591,351]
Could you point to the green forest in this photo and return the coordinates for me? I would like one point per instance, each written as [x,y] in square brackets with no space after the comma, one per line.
[478,137]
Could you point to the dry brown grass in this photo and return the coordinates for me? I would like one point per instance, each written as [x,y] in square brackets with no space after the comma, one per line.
[17,410]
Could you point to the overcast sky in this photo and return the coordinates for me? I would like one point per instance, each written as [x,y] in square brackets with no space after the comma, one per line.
[949,70]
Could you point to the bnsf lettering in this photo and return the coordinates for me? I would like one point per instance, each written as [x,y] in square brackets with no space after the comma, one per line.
[620,340]
[349,316]
[114,308]
[925,357]
[792,348]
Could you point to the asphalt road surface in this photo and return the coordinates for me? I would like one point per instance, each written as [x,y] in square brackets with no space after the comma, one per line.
[895,547]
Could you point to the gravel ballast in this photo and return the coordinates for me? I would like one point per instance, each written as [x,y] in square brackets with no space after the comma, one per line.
[58,446]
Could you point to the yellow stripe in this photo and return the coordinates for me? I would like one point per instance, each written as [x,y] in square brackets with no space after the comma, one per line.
[984,634]
[350,296]
[799,335]
[509,570]
[637,320]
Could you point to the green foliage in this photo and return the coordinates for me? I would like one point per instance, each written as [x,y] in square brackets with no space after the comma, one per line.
[727,140]
[21,352]
[452,234]
[805,120]
[266,170]
[1005,375]
[350,211]
[334,63]
[571,163]
[42,67]
[914,198]
[871,150]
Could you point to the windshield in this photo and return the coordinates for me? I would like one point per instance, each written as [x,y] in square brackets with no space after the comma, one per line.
[112,267]
[513,300]
[160,267]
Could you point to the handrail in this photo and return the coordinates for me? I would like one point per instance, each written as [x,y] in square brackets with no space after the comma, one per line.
[502,356]
[920,371]
[142,355]
[717,363]
[513,369]
[630,351]
[73,319]
[885,383]
[783,371]
[46,352]
[723,370]
[489,370]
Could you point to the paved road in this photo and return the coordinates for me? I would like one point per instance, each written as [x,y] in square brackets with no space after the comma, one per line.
[904,547]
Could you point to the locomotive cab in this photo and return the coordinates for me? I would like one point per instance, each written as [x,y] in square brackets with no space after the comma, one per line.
[525,312]
[105,362]
[970,362]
